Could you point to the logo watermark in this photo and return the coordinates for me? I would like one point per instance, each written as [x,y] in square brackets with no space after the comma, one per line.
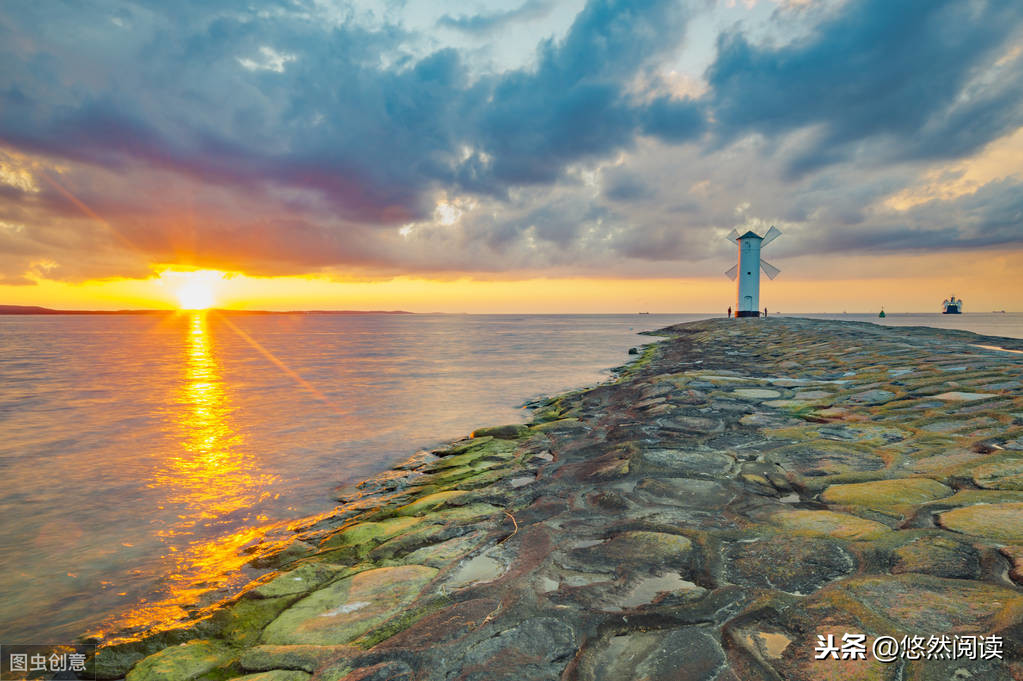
[890,648]
[45,662]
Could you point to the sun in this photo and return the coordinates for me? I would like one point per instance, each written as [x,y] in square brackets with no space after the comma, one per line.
[195,289]
[195,295]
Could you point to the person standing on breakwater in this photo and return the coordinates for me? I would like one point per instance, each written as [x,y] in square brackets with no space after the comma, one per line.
[729,311]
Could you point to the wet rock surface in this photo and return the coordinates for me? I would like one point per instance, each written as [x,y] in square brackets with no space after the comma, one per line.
[741,490]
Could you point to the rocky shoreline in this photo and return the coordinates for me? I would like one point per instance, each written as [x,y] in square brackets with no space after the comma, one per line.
[744,494]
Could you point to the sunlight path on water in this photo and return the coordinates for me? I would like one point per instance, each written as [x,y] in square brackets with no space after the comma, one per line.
[212,479]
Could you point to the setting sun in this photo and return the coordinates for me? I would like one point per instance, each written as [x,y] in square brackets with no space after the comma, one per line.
[194,290]
[195,296]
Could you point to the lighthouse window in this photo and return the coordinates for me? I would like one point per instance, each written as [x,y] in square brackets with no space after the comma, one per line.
[749,273]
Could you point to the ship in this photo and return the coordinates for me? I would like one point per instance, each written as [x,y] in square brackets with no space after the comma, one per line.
[952,305]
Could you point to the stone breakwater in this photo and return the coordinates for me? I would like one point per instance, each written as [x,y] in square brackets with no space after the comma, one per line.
[743,490]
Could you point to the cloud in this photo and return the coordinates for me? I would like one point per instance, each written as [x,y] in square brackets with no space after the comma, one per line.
[904,81]
[272,139]
[487,23]
[575,106]
[320,111]
[625,185]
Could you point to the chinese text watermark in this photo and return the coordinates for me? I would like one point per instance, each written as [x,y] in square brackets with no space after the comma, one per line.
[890,648]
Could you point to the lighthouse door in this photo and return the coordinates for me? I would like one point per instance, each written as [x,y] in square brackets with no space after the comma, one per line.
[747,302]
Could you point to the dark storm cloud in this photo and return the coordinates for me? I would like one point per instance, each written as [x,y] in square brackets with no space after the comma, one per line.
[990,217]
[486,23]
[674,120]
[364,137]
[904,75]
[574,105]
[624,185]
[315,109]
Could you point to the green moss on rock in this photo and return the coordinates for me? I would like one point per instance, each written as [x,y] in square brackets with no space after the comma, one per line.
[347,609]
[276,675]
[241,623]
[186,662]
[883,493]
[307,658]
[510,432]
[303,579]
[1000,522]
[1004,472]
[939,556]
[431,502]
[829,524]
[365,535]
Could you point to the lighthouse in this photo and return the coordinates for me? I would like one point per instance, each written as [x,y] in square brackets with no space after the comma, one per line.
[747,270]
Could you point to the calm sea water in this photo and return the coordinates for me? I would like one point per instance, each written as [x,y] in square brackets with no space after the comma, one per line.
[140,454]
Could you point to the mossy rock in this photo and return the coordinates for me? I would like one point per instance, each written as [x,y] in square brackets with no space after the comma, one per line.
[402,621]
[302,579]
[755,393]
[366,535]
[463,446]
[295,550]
[486,479]
[546,415]
[431,502]
[276,675]
[450,477]
[940,556]
[825,458]
[509,432]
[307,658]
[829,524]
[186,662]
[241,623]
[917,603]
[555,425]
[658,655]
[884,493]
[682,463]
[465,514]
[1004,472]
[347,609]
[634,550]
[969,497]
[999,522]
[441,554]
[798,565]
[422,535]
[114,661]
[458,460]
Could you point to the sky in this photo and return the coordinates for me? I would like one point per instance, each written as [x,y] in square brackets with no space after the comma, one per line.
[511,156]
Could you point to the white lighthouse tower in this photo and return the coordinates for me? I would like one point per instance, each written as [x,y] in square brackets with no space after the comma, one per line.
[748,269]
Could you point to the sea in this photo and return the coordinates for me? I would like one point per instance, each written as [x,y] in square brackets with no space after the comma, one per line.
[143,458]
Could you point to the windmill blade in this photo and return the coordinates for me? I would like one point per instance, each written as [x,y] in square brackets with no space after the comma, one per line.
[770,270]
[771,235]
[732,271]
[733,235]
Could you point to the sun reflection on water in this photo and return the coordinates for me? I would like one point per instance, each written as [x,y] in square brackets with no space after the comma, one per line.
[213,475]
[213,483]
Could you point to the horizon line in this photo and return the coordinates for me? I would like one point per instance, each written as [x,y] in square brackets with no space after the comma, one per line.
[37,310]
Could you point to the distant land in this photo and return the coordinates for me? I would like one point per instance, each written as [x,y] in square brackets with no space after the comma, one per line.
[35,309]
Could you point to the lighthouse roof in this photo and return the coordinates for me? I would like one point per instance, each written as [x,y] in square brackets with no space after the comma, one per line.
[749,235]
